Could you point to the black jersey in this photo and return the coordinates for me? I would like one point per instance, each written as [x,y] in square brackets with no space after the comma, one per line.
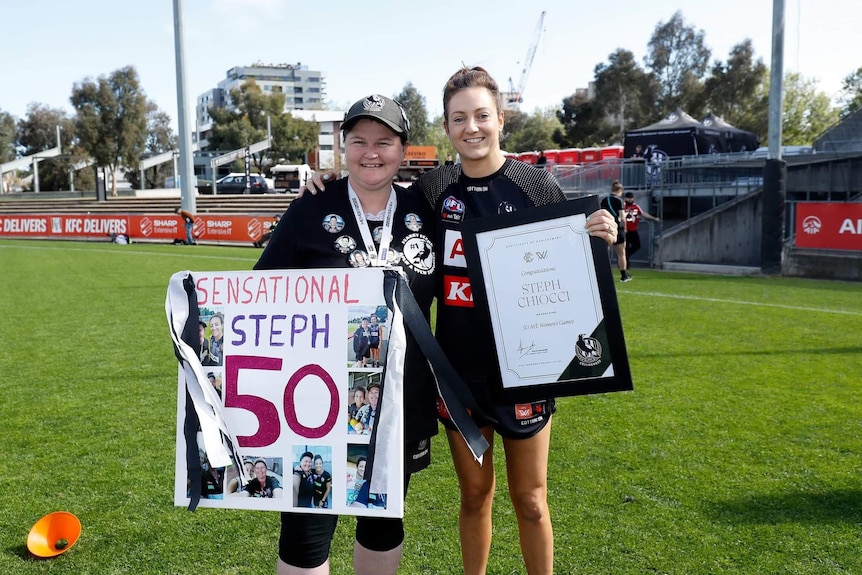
[320,231]
[455,197]
[614,204]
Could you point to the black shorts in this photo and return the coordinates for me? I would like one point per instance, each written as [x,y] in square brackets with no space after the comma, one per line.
[512,421]
[621,236]
[306,538]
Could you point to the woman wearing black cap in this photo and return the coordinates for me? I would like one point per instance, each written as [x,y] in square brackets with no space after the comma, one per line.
[361,222]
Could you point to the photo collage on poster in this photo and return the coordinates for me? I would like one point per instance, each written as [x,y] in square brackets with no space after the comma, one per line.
[304,472]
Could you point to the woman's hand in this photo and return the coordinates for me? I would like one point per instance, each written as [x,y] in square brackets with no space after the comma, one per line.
[316,183]
[601,224]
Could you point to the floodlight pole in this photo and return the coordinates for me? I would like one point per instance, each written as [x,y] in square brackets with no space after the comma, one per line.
[775,170]
[187,191]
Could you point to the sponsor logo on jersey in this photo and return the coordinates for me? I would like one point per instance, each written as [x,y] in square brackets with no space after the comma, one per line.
[457,291]
[505,208]
[523,411]
[453,254]
[453,209]
[530,411]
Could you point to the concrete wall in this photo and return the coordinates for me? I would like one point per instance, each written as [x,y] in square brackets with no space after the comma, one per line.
[822,264]
[726,239]
[728,234]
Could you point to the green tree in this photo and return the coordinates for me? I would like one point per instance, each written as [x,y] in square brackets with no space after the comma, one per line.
[293,138]
[678,57]
[246,123]
[7,143]
[626,92]
[111,122]
[537,132]
[513,122]
[437,137]
[8,135]
[160,139]
[584,123]
[38,132]
[851,93]
[755,116]
[734,90]
[807,111]
[414,106]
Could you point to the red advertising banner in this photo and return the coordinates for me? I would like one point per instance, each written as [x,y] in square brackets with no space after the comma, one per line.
[832,226]
[146,227]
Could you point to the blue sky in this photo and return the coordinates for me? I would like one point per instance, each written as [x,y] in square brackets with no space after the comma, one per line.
[366,47]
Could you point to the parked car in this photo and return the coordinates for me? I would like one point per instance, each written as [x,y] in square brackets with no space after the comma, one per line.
[235,184]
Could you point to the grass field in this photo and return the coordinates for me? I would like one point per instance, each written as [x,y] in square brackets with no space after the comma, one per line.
[739,451]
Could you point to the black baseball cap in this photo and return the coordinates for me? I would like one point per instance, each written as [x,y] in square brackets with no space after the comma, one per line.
[629,195]
[376,107]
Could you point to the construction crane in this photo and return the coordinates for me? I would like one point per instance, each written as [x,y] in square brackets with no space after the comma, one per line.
[513,98]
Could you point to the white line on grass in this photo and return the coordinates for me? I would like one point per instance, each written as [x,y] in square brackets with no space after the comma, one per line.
[740,302]
[185,254]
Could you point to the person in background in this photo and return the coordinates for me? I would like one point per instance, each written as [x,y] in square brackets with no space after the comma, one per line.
[449,161]
[189,220]
[367,414]
[360,473]
[303,481]
[216,342]
[358,402]
[541,160]
[215,381]
[322,484]
[263,485]
[633,215]
[362,342]
[614,204]
[375,334]
[265,237]
[204,355]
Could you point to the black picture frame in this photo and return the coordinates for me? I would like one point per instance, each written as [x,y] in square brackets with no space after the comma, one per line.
[576,378]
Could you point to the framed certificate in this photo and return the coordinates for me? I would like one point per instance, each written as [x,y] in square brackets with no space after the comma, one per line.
[546,291]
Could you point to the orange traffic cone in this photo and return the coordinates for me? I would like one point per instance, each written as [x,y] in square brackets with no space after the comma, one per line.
[55,533]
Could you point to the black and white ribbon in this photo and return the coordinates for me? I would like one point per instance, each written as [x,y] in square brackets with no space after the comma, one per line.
[453,391]
[203,406]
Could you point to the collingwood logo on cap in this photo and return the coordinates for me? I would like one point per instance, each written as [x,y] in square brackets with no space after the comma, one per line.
[373,103]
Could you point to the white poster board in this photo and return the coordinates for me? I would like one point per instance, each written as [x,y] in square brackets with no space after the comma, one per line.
[281,380]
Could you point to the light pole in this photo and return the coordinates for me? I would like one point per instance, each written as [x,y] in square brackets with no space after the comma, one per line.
[775,170]
[187,191]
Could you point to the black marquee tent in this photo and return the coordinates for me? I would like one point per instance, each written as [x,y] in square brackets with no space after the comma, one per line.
[681,135]
[737,140]
[677,135]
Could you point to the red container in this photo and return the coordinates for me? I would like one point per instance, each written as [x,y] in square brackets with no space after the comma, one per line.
[569,156]
[552,157]
[589,155]
[528,157]
[611,152]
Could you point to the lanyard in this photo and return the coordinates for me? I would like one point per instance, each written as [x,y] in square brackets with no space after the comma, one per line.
[385,237]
